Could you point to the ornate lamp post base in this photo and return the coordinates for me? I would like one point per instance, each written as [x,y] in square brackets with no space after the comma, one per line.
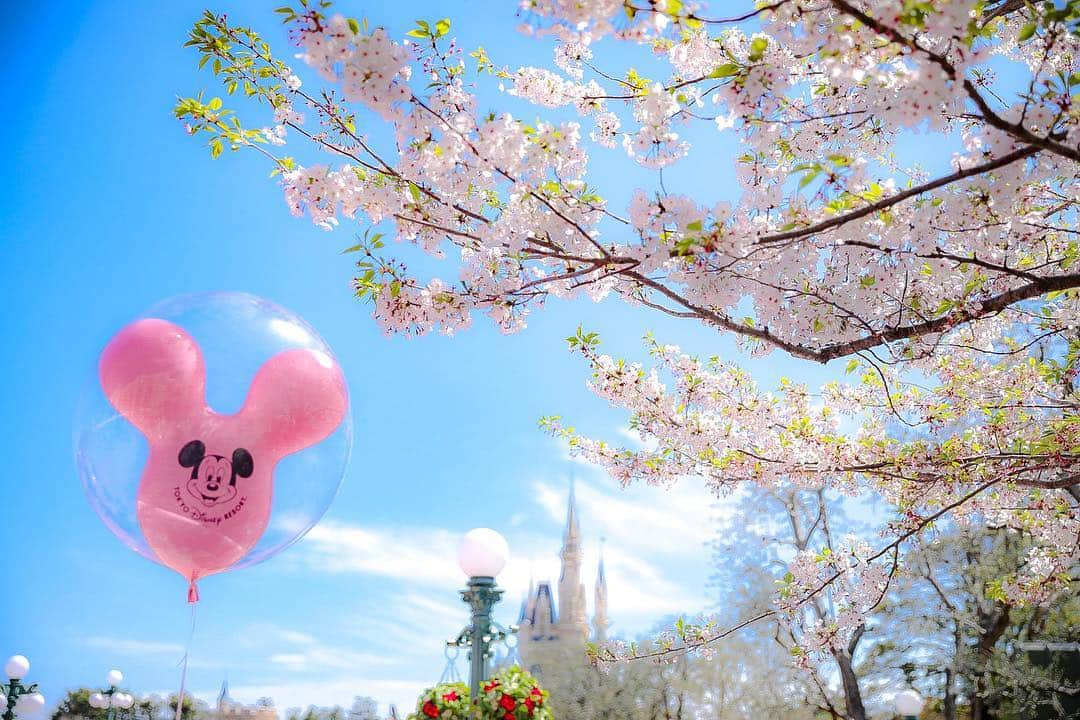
[482,555]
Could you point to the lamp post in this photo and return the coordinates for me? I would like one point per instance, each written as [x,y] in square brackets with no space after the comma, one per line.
[909,704]
[112,698]
[18,698]
[481,556]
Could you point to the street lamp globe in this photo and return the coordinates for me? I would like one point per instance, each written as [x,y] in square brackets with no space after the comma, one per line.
[3,702]
[16,667]
[97,700]
[483,553]
[114,678]
[30,705]
[908,703]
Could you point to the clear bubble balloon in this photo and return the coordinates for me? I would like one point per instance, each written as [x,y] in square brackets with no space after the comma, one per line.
[213,432]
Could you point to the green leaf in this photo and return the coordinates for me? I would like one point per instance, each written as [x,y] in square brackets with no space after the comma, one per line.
[422,30]
[757,49]
[442,27]
[725,70]
[414,190]
[215,148]
[1027,31]
[808,178]
[354,26]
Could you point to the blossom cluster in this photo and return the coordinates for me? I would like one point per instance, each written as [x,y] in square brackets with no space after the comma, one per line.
[949,288]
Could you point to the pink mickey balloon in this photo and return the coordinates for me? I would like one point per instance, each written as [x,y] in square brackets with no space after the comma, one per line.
[206,488]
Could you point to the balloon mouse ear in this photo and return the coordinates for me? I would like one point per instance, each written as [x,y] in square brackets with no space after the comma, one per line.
[153,374]
[298,397]
[242,462]
[192,454]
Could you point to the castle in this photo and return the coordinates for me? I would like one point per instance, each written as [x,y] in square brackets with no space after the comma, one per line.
[229,709]
[548,628]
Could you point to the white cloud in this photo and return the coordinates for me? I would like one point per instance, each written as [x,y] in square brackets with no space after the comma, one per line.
[425,556]
[297,669]
[147,651]
[670,521]
[656,554]
[141,648]
[319,658]
[655,551]
[306,654]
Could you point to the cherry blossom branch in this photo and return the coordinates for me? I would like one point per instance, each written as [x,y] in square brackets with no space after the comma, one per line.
[888,202]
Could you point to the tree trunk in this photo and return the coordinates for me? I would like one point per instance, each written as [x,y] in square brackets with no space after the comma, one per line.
[948,708]
[852,695]
[992,630]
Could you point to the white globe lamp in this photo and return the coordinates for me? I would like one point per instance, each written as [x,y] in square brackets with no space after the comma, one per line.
[114,678]
[16,667]
[30,705]
[908,703]
[483,553]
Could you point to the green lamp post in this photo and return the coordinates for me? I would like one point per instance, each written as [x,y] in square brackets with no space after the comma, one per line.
[482,555]
[909,704]
[112,699]
[18,698]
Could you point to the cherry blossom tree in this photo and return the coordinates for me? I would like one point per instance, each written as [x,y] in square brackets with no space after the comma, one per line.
[946,289]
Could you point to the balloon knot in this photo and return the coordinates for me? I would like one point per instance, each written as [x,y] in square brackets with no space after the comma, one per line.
[193,592]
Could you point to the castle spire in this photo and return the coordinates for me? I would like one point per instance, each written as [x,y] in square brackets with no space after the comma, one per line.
[572,616]
[223,696]
[572,533]
[600,618]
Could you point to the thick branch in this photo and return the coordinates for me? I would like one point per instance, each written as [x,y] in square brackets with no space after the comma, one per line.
[994,164]
[974,311]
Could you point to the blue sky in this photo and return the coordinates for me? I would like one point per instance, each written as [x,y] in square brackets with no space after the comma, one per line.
[108,207]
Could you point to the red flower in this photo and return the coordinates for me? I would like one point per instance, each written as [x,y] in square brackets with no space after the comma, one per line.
[491,686]
[507,703]
[450,696]
[538,694]
[530,704]
[431,710]
[508,716]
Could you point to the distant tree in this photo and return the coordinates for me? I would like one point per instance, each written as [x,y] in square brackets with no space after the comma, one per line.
[744,677]
[76,704]
[192,708]
[793,529]
[628,691]
[963,638]
[146,708]
[315,712]
[364,708]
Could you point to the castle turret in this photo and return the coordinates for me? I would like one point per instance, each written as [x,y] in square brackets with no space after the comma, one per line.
[572,617]
[550,631]
[601,622]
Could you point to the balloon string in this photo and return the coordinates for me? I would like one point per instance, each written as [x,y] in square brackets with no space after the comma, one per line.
[187,651]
